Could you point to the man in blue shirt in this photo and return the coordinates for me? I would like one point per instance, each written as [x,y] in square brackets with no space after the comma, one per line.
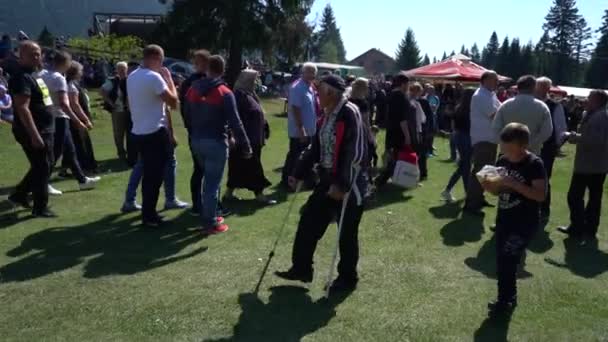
[302,117]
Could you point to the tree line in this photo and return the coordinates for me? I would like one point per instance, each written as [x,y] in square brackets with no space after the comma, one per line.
[564,52]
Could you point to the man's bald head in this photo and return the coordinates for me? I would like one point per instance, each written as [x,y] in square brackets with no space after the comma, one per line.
[30,54]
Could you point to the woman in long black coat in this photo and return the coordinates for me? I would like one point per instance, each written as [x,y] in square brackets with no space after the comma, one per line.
[248,173]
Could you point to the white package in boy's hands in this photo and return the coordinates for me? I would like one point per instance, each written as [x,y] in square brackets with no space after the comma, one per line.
[491,173]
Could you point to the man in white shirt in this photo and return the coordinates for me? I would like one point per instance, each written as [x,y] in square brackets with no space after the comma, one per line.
[484,105]
[551,147]
[150,88]
[527,110]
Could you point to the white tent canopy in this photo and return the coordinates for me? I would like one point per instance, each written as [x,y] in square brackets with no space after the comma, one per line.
[576,92]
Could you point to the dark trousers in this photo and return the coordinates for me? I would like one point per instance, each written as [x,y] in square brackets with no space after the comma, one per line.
[484,153]
[196,183]
[155,150]
[36,179]
[463,145]
[388,171]
[584,221]
[318,213]
[84,149]
[296,147]
[422,152]
[64,148]
[548,156]
[510,249]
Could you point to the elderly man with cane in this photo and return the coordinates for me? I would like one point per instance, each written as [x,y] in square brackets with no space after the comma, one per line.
[339,148]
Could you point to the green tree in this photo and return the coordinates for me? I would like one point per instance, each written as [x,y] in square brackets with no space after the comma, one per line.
[46,38]
[475,55]
[225,26]
[408,53]
[604,28]
[434,59]
[329,53]
[597,72]
[582,37]
[502,60]
[444,56]
[110,46]
[562,22]
[489,57]
[543,56]
[463,50]
[528,60]
[514,59]
[290,42]
[426,60]
[329,33]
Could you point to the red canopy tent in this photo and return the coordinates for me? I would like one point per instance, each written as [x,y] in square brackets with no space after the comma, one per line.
[456,68]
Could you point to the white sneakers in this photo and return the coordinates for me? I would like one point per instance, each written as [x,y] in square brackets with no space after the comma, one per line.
[448,197]
[89,183]
[53,191]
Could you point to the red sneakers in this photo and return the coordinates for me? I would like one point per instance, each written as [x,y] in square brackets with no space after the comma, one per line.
[218,229]
[220,220]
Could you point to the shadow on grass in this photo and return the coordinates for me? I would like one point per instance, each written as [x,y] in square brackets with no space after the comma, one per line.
[584,261]
[493,329]
[248,207]
[387,195]
[289,315]
[447,210]
[109,246]
[467,228]
[112,165]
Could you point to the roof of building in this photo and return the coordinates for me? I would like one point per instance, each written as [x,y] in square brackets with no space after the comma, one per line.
[373,50]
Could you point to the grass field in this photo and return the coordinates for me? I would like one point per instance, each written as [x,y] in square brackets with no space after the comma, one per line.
[426,272]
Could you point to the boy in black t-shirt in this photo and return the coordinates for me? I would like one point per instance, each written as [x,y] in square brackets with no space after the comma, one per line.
[521,193]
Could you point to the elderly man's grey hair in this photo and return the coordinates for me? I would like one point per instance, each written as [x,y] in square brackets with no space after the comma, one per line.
[309,67]
[122,64]
[545,81]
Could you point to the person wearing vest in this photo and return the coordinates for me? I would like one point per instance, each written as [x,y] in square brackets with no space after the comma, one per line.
[551,147]
[590,168]
[340,150]
[114,93]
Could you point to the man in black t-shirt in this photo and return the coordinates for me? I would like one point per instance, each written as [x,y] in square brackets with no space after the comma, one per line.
[400,125]
[33,128]
[521,191]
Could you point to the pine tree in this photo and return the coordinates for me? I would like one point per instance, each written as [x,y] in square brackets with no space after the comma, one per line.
[408,53]
[502,63]
[528,61]
[597,73]
[329,33]
[453,53]
[463,50]
[475,55]
[46,38]
[561,22]
[604,28]
[426,60]
[543,56]
[514,59]
[444,57]
[434,59]
[582,37]
[490,52]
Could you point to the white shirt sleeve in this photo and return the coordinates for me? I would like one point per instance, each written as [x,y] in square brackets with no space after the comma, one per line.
[158,83]
[559,123]
[107,86]
[72,88]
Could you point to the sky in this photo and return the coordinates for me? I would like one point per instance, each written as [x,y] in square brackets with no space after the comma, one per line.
[442,25]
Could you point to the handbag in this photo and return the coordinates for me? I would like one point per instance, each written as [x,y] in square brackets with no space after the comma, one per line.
[406,173]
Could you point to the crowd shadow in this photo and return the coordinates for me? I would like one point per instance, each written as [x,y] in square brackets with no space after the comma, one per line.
[447,210]
[485,260]
[586,261]
[466,228]
[387,195]
[494,329]
[112,165]
[290,315]
[541,243]
[249,206]
[109,246]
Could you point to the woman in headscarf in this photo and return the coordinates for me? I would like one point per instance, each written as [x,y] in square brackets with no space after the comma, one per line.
[248,173]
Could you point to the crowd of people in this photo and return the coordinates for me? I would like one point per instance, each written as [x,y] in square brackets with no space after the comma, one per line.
[332,127]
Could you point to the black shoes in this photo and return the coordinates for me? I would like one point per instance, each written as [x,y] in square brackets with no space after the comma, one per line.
[21,201]
[499,307]
[154,222]
[294,275]
[44,213]
[343,285]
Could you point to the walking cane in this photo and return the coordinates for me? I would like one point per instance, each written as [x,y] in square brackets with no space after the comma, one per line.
[276,241]
[335,257]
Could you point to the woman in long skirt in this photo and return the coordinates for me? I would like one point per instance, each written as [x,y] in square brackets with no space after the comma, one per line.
[248,173]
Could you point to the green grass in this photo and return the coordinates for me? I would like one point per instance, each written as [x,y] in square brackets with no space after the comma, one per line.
[426,273]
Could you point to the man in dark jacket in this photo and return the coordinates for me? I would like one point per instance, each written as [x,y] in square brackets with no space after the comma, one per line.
[210,107]
[340,150]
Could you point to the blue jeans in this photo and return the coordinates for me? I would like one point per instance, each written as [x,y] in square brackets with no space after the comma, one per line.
[168,180]
[211,156]
[462,142]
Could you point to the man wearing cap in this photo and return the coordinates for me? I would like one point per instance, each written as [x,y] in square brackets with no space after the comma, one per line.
[339,149]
